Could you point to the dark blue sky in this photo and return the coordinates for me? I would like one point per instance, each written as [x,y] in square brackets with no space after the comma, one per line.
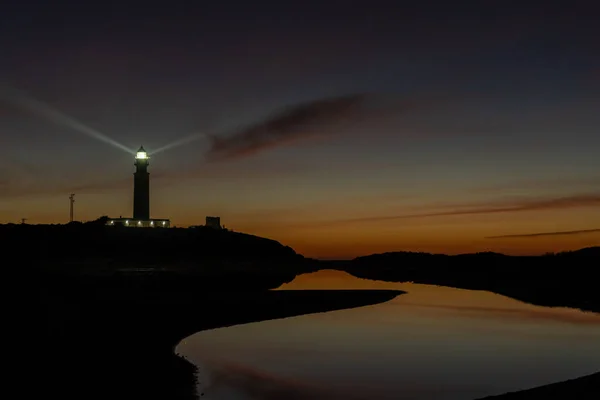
[508,92]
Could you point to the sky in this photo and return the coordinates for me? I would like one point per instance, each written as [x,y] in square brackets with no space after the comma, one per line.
[339,129]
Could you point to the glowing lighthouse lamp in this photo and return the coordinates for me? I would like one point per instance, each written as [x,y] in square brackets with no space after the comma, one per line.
[141,197]
[141,154]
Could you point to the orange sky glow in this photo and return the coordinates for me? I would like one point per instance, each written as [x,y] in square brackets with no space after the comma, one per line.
[335,226]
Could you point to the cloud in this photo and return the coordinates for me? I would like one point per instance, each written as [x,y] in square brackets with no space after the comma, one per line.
[303,120]
[540,184]
[306,121]
[321,118]
[534,235]
[576,201]
[310,120]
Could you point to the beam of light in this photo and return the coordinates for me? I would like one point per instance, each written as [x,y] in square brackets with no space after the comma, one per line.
[44,110]
[181,142]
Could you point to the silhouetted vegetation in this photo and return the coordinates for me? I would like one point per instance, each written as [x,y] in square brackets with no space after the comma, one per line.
[227,259]
[562,279]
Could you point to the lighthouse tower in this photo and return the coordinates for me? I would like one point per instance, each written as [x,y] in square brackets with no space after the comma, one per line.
[141,198]
[141,186]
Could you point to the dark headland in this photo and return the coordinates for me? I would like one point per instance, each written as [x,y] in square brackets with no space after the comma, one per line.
[98,310]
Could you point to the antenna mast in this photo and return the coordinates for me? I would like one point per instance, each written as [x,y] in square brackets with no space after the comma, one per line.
[72,200]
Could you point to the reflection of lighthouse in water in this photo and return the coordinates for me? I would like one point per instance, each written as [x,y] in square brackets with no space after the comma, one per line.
[141,186]
[141,197]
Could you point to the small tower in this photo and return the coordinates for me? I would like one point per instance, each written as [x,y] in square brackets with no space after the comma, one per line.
[141,186]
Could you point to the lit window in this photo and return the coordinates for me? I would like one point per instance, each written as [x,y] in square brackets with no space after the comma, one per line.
[141,155]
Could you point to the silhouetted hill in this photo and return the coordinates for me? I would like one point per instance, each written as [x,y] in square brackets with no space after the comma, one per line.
[114,337]
[586,252]
[99,309]
[562,279]
[223,257]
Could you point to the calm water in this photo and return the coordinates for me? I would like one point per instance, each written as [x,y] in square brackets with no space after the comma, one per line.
[432,343]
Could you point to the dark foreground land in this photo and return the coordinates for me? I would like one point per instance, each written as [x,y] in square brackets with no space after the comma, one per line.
[99,310]
[116,339]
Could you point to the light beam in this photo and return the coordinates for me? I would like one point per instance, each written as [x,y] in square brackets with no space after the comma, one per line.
[42,109]
[181,142]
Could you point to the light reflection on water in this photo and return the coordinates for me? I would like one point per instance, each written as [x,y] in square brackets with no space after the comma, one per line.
[431,343]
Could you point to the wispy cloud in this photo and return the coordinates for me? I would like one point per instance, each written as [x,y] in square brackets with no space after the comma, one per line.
[539,234]
[313,120]
[575,201]
[300,121]
[528,184]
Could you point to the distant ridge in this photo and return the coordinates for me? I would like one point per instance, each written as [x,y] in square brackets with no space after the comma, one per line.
[565,279]
[587,251]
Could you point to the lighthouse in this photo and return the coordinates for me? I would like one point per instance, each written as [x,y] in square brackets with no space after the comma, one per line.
[141,197]
[141,186]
